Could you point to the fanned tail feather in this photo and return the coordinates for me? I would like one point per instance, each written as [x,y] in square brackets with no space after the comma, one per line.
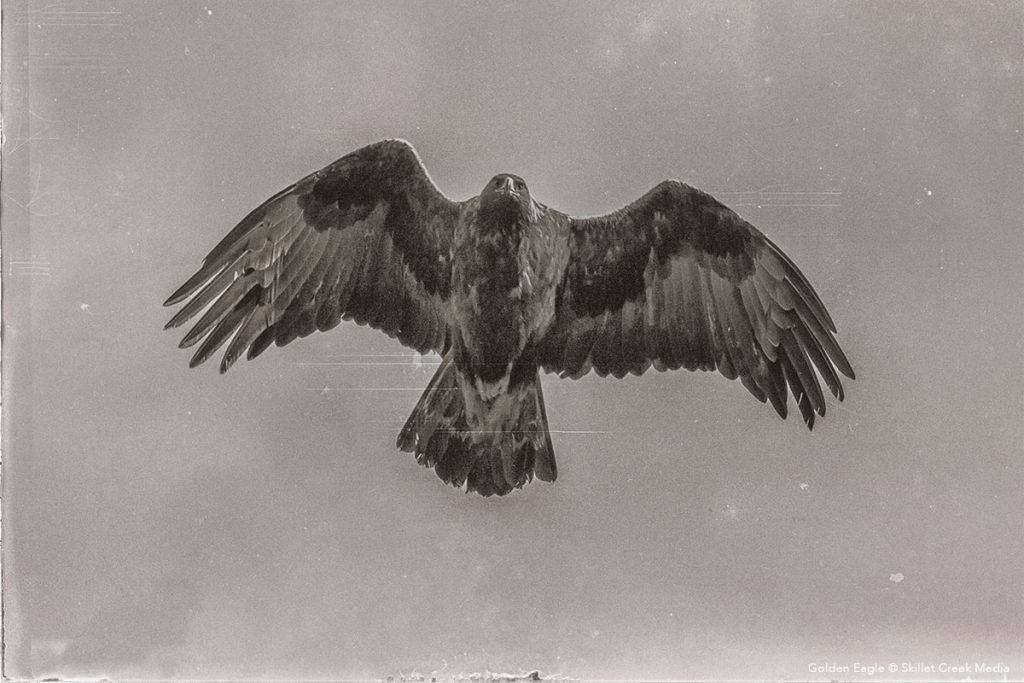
[438,434]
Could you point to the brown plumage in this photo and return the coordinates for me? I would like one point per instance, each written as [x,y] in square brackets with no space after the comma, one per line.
[501,286]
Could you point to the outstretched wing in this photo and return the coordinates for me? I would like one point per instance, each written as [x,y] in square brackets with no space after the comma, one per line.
[676,279]
[367,238]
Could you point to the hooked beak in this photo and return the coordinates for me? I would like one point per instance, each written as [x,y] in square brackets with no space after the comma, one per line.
[509,187]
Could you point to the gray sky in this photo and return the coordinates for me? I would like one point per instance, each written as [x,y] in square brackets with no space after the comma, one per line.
[161,522]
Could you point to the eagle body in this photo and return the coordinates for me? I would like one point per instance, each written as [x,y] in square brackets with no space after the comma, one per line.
[504,277]
[501,287]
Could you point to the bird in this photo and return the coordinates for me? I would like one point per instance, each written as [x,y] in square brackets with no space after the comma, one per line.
[502,287]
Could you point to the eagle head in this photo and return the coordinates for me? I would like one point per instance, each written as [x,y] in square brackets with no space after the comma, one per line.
[505,200]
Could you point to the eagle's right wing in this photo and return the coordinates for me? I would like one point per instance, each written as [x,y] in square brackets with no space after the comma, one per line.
[367,238]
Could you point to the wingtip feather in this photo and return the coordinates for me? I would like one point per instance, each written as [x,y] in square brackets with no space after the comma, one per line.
[178,318]
[177,297]
[207,271]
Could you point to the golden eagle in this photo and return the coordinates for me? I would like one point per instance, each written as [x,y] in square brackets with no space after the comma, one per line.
[501,286]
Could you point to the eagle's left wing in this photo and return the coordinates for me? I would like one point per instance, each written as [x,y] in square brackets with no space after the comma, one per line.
[676,279]
[367,238]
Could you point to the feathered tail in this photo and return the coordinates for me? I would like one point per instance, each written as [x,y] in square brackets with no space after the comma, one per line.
[438,434]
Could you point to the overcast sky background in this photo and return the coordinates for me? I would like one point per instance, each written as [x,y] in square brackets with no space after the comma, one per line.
[162,522]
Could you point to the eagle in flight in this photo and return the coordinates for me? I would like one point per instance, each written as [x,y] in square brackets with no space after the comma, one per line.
[501,286]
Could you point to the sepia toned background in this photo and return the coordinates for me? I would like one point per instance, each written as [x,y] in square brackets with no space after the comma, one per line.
[167,523]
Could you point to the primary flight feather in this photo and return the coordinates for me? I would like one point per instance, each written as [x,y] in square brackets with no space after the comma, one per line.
[501,286]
